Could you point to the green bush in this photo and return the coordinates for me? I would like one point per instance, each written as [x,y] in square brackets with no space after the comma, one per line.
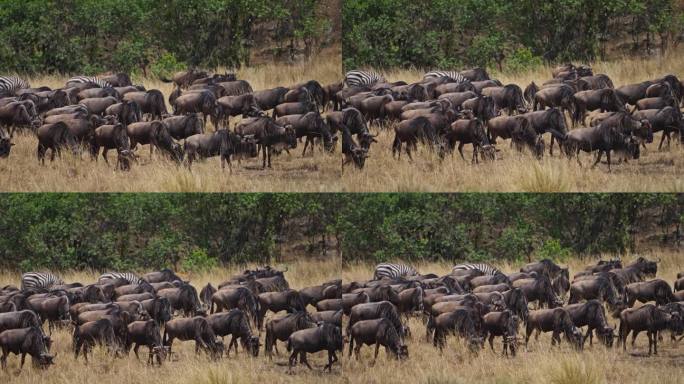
[522,59]
[165,65]
[198,261]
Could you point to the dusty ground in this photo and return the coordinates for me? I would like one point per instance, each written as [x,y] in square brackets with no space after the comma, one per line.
[541,363]
[660,171]
[186,367]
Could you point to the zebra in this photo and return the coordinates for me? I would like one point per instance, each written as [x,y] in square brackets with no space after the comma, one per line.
[393,271]
[452,75]
[482,267]
[357,78]
[39,281]
[11,84]
[131,278]
[90,80]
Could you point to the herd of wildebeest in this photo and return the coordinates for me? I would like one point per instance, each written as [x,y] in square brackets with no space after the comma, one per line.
[122,311]
[442,112]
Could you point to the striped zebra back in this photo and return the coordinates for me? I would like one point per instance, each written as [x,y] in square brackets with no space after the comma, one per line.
[39,281]
[393,271]
[453,75]
[11,84]
[132,278]
[485,268]
[357,78]
[90,80]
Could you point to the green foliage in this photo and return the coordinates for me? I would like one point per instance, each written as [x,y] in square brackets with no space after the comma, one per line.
[88,36]
[166,65]
[198,260]
[465,33]
[199,231]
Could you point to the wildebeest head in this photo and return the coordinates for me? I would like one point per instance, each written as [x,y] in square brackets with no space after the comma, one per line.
[252,344]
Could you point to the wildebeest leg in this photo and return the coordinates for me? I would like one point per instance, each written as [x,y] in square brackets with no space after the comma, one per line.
[293,360]
[3,359]
[377,349]
[475,154]
[651,342]
[598,158]
[264,150]
[332,358]
[634,336]
[608,156]
[460,150]
[104,155]
[491,341]
[302,359]
[135,350]
[555,337]
[351,345]
[23,359]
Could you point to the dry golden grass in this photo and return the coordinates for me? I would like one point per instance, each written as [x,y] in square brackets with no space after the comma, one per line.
[541,364]
[186,367]
[656,171]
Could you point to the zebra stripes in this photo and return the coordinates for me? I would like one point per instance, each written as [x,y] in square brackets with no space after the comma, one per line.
[132,278]
[482,267]
[39,281]
[393,271]
[91,80]
[11,84]
[358,78]
[453,75]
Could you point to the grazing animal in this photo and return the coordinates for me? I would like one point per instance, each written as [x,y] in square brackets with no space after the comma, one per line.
[647,318]
[25,341]
[380,332]
[556,320]
[325,337]
[281,329]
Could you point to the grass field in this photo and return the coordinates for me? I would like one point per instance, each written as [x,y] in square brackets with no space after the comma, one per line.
[186,367]
[658,171]
[541,364]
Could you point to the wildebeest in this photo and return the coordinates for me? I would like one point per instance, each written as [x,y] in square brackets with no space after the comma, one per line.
[55,137]
[150,102]
[220,143]
[325,337]
[602,99]
[25,341]
[183,79]
[459,322]
[593,315]
[5,143]
[603,139]
[311,125]
[539,289]
[236,324]
[87,335]
[332,317]
[193,328]
[556,320]
[237,297]
[156,134]
[159,309]
[470,131]
[328,290]
[380,332]
[504,324]
[288,300]
[244,105]
[19,319]
[197,102]
[98,105]
[657,290]
[184,299]
[281,329]
[550,120]
[647,318]
[349,300]
[667,119]
[519,130]
[109,137]
[268,134]
[52,309]
[181,127]
[598,288]
[418,129]
[382,309]
[508,97]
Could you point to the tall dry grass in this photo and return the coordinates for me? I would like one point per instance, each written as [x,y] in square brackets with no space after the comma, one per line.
[540,364]
[185,366]
[656,171]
